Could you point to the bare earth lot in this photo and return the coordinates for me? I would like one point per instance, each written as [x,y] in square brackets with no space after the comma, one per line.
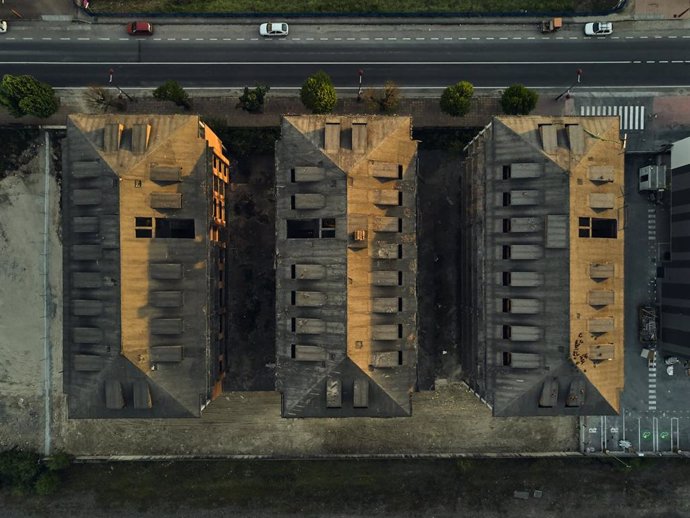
[21,290]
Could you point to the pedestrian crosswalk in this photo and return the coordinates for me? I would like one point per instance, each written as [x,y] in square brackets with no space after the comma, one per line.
[631,117]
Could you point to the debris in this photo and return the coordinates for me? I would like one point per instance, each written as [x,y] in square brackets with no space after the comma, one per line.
[537,493]
[522,495]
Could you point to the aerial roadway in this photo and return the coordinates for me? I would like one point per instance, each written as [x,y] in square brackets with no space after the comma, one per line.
[414,56]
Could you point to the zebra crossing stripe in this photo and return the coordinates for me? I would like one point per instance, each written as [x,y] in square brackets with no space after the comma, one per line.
[630,117]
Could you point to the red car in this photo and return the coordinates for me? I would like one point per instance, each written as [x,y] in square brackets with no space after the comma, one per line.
[140,29]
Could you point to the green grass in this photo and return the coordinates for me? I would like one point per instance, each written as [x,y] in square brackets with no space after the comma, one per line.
[365,487]
[349,6]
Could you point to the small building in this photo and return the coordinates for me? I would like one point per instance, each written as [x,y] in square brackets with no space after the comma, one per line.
[542,238]
[144,232]
[346,266]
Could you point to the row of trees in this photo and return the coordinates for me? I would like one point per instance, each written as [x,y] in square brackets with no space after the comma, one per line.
[318,95]
[25,95]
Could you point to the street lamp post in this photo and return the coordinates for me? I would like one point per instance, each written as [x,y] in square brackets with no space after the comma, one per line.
[360,73]
[122,92]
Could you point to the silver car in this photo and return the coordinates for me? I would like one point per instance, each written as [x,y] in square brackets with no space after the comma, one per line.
[598,29]
[273,29]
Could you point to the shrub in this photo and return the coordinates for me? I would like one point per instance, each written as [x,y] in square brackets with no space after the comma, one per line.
[25,95]
[318,93]
[386,100]
[518,100]
[58,461]
[253,100]
[19,469]
[47,483]
[172,91]
[455,100]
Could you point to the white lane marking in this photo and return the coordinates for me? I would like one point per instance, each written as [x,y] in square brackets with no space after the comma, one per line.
[420,39]
[434,39]
[310,39]
[363,39]
[199,39]
[240,39]
[296,39]
[392,39]
[27,39]
[573,38]
[378,39]
[489,38]
[461,39]
[224,39]
[185,39]
[664,61]
[351,39]
[106,39]
[476,38]
[81,39]
[503,38]
[517,37]
[323,39]
[672,37]
[658,37]
[213,39]
[447,39]
[644,37]
[48,39]
[407,39]
[338,39]
[171,39]
[63,39]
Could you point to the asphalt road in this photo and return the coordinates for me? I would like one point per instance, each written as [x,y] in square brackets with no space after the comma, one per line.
[487,60]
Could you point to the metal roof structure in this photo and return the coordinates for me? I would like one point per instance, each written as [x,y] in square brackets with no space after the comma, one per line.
[542,272]
[141,317]
[346,264]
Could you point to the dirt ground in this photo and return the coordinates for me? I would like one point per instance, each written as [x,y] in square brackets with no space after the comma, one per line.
[21,291]
[251,223]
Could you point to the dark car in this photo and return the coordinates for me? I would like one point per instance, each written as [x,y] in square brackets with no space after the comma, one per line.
[140,29]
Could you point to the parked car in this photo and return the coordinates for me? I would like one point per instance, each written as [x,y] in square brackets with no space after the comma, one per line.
[140,29]
[598,29]
[273,29]
[3,26]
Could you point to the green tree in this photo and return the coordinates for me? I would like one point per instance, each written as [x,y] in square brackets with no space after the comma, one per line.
[253,100]
[47,483]
[519,100]
[172,91]
[25,95]
[386,100]
[318,93]
[455,100]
